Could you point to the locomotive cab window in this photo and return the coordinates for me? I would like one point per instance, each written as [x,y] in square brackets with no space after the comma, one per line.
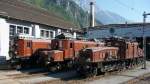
[127,46]
[86,46]
[71,45]
[29,44]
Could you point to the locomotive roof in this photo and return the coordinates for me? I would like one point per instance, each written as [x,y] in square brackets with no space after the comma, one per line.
[36,40]
[82,41]
[94,49]
[85,41]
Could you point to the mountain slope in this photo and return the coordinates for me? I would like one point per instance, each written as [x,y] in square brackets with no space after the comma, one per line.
[107,17]
[70,10]
[66,9]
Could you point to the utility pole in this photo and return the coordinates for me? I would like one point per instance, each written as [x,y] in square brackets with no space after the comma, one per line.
[144,37]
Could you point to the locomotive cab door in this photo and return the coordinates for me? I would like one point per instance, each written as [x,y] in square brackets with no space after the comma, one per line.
[28,48]
[68,49]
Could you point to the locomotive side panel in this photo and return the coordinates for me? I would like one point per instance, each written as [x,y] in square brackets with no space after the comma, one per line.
[26,48]
[97,57]
[129,54]
[68,54]
[105,55]
[40,45]
[23,49]
[67,49]
[99,54]
[77,45]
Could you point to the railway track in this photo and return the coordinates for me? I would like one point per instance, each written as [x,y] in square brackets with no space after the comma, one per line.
[81,80]
[65,77]
[144,79]
[22,74]
[34,77]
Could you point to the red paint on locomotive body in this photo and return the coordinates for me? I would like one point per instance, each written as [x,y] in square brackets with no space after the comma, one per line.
[127,49]
[71,48]
[27,47]
[50,52]
[99,54]
[117,54]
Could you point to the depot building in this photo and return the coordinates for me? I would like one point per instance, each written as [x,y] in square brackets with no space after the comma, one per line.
[20,18]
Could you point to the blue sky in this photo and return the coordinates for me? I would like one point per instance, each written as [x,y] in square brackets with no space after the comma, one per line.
[129,9]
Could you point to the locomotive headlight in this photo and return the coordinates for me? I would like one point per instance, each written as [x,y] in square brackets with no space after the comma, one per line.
[88,60]
[87,67]
[15,52]
[47,63]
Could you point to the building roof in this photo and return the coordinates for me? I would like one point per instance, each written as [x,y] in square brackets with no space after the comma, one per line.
[122,25]
[17,9]
[129,25]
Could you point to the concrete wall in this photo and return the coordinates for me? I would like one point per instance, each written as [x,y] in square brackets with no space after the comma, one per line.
[36,31]
[4,39]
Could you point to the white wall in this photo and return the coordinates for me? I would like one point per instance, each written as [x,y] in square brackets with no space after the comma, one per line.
[59,31]
[74,35]
[54,34]
[36,31]
[4,38]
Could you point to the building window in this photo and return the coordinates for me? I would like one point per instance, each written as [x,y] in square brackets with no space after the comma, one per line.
[12,30]
[26,30]
[42,33]
[19,29]
[51,34]
[47,34]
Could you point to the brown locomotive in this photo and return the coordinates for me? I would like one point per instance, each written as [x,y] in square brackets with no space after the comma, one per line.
[64,52]
[54,54]
[118,54]
[23,50]
[89,57]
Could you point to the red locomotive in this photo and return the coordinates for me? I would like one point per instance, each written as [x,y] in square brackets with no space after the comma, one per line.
[89,57]
[23,50]
[54,54]
[117,55]
[64,52]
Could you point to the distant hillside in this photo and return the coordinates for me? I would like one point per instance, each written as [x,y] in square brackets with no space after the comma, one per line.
[66,9]
[69,10]
[106,17]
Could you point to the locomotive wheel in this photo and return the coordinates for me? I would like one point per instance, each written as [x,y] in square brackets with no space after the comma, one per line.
[18,67]
[93,72]
[54,68]
[70,65]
